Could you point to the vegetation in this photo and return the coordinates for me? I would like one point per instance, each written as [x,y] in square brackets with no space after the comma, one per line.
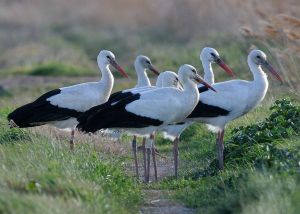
[51,69]
[46,45]
[41,175]
[58,70]
[256,144]
[262,167]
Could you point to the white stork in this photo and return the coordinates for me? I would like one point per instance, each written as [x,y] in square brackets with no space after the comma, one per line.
[235,98]
[60,107]
[145,112]
[165,79]
[168,79]
[208,56]
[141,64]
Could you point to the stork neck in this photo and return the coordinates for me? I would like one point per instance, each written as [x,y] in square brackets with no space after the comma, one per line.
[259,85]
[142,76]
[208,72]
[107,79]
[259,76]
[189,87]
[190,97]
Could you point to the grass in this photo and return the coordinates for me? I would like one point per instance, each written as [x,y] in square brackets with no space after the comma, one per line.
[261,174]
[165,55]
[40,174]
[50,69]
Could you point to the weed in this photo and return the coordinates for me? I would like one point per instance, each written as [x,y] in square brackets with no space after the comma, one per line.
[257,143]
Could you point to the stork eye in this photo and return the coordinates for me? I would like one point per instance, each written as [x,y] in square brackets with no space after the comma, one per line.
[258,57]
[148,62]
[108,57]
[194,71]
[176,79]
[214,55]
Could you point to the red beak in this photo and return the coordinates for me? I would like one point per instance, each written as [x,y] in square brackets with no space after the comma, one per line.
[119,68]
[154,70]
[200,80]
[272,71]
[225,67]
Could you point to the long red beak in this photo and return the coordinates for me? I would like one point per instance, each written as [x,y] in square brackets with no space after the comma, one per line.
[200,80]
[225,67]
[119,68]
[272,71]
[154,70]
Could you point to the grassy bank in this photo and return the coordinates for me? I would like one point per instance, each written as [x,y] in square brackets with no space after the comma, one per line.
[262,165]
[39,174]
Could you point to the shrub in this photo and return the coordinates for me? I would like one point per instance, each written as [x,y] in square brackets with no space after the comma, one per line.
[257,144]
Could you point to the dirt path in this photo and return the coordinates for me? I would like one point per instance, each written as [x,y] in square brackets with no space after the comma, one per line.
[159,201]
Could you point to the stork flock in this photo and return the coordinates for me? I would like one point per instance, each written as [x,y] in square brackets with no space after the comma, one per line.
[177,101]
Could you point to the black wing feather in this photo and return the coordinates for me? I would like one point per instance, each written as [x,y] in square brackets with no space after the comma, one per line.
[202,89]
[41,112]
[114,116]
[205,110]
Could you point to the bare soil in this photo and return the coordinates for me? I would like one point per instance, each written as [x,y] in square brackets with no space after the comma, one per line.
[156,200]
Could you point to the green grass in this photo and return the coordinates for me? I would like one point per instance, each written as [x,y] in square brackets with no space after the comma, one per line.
[51,69]
[261,173]
[40,174]
[165,55]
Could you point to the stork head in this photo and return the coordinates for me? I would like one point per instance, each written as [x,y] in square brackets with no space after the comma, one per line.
[168,79]
[260,59]
[106,57]
[145,63]
[188,73]
[211,55]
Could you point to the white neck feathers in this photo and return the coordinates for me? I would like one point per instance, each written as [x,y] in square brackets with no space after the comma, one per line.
[259,76]
[259,84]
[107,80]
[142,77]
[208,72]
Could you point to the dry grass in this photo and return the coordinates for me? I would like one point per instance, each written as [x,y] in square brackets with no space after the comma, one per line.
[280,34]
[72,32]
[180,18]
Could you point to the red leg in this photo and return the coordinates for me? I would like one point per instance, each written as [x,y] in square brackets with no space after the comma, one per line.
[153,157]
[133,143]
[72,139]
[175,153]
[148,165]
[220,148]
[144,157]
